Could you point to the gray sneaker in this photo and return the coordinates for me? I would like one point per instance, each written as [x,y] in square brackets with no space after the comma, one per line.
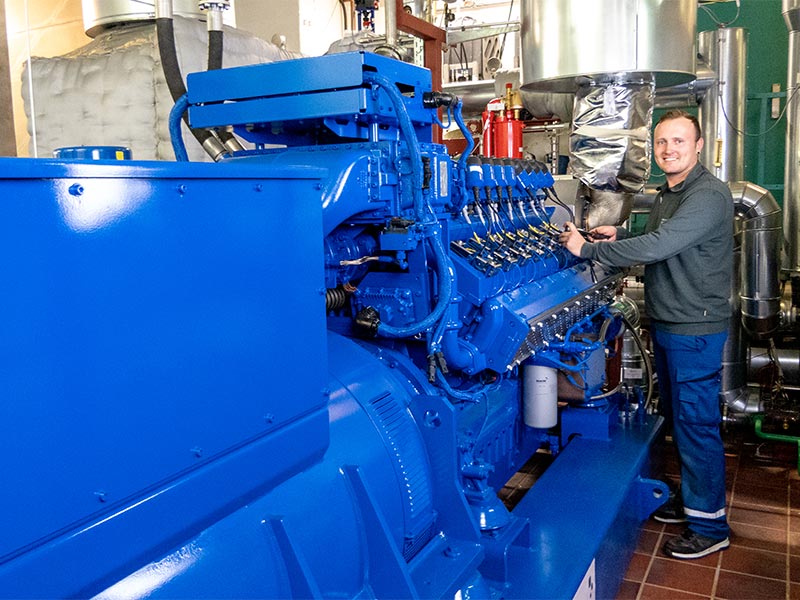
[671,511]
[690,544]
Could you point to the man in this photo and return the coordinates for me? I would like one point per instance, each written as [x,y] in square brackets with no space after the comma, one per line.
[687,250]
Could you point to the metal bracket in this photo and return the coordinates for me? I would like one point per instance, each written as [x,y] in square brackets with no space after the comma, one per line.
[649,494]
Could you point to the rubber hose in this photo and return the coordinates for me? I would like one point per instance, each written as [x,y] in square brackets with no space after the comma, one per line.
[215,54]
[175,134]
[172,72]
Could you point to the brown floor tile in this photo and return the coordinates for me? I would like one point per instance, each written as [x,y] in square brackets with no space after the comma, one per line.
[736,586]
[681,575]
[753,515]
[794,543]
[655,592]
[647,542]
[653,525]
[628,590]
[794,569]
[759,538]
[766,476]
[638,567]
[794,591]
[794,497]
[671,529]
[754,562]
[772,499]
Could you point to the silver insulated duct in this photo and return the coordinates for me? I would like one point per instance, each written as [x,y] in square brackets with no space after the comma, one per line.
[756,293]
[791,193]
[612,53]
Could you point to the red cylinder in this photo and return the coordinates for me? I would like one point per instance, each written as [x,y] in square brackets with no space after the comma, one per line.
[507,136]
[488,133]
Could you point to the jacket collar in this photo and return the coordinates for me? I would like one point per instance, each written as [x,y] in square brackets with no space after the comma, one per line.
[693,175]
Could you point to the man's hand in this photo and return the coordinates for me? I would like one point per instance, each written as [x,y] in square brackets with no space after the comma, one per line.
[604,233]
[572,239]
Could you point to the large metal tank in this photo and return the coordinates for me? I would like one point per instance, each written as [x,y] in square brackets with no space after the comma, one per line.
[791,194]
[566,42]
[101,14]
[722,113]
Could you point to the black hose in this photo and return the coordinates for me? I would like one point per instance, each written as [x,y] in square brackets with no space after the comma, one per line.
[648,367]
[214,50]
[172,72]
[215,54]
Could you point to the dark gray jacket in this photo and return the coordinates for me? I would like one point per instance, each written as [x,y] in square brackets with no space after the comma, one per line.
[687,250]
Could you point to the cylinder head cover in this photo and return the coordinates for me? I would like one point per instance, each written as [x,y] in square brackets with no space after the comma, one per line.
[101,14]
[566,43]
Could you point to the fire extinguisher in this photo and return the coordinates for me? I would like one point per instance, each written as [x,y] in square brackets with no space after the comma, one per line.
[502,127]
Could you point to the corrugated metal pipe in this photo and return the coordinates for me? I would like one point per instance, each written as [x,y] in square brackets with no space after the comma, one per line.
[755,294]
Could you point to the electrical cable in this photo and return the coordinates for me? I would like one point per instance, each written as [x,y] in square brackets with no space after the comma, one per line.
[719,23]
[503,44]
[789,100]
[648,367]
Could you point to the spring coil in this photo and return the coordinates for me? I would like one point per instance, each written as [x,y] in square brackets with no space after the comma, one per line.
[335,298]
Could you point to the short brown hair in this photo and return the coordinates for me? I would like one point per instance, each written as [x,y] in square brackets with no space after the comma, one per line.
[678,114]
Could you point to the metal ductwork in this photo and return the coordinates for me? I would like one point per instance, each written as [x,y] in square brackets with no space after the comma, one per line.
[567,43]
[756,293]
[102,14]
[791,193]
[759,235]
[722,112]
[788,358]
[612,54]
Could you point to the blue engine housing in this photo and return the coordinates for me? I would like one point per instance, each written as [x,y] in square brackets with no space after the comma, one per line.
[298,372]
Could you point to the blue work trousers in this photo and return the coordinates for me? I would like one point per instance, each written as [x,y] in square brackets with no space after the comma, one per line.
[689,368]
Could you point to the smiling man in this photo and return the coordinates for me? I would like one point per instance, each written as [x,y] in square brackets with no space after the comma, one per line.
[687,250]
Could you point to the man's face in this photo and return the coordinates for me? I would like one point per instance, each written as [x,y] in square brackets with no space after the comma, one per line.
[676,148]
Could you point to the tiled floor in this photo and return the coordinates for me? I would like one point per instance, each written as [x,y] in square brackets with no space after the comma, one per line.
[763,561]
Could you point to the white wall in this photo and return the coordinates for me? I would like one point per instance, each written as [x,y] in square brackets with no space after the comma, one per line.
[46,28]
[310,26]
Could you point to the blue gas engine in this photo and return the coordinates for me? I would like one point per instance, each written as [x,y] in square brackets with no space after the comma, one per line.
[314,369]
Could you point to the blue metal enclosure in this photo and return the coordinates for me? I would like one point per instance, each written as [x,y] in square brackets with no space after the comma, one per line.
[299,373]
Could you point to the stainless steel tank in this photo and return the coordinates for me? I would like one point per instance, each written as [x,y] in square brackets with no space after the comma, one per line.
[791,193]
[722,112]
[101,14]
[566,43]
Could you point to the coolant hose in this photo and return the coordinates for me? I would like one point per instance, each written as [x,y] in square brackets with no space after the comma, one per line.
[445,272]
[175,134]
[407,129]
[462,161]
